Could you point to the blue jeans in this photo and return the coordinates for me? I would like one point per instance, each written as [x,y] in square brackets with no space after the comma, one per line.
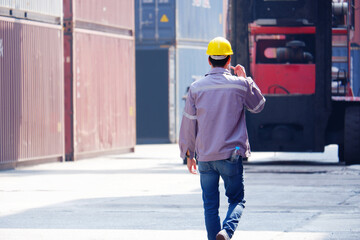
[232,174]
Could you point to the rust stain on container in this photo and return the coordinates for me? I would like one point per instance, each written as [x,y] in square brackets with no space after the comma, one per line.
[103,92]
[31,91]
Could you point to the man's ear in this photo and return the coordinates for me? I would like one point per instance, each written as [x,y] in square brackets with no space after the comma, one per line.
[209,61]
[229,61]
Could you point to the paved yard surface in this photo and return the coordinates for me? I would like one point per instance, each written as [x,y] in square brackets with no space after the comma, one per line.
[149,195]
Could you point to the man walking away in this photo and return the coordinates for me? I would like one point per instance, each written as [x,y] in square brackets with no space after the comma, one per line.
[213,126]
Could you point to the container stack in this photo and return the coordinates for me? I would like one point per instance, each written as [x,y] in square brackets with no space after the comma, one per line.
[31,82]
[67,79]
[170,55]
[99,47]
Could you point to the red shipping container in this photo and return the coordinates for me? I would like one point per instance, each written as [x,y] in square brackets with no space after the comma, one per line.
[356,37]
[113,13]
[31,92]
[103,93]
[99,68]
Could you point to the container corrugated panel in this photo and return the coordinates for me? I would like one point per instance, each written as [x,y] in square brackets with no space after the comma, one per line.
[164,21]
[46,7]
[193,63]
[31,91]
[114,13]
[355,69]
[199,19]
[155,21]
[226,17]
[104,92]
[356,38]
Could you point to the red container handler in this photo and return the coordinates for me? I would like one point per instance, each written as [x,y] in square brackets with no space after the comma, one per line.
[31,92]
[103,93]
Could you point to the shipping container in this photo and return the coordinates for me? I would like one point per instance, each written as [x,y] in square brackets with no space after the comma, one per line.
[199,20]
[192,63]
[161,99]
[104,92]
[99,48]
[356,33]
[174,21]
[39,10]
[155,21]
[355,69]
[152,93]
[171,42]
[31,92]
[116,16]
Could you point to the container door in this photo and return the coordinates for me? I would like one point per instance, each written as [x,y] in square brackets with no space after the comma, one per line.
[152,95]
[155,21]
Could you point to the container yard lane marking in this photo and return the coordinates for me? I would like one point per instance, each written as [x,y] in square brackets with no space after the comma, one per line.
[1,48]
[164,18]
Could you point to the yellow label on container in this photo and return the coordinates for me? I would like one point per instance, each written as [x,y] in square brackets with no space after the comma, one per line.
[164,18]
[59,127]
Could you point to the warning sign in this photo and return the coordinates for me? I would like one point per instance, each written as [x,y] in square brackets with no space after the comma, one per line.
[164,18]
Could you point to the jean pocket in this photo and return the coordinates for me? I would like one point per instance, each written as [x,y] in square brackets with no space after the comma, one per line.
[232,168]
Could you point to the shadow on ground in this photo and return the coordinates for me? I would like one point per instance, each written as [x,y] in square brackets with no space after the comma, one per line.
[164,212]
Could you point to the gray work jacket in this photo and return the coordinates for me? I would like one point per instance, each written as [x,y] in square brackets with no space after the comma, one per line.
[213,121]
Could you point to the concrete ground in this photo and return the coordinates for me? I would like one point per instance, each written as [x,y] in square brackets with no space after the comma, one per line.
[149,195]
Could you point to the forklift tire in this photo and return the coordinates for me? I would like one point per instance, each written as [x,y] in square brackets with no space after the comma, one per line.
[341,153]
[351,135]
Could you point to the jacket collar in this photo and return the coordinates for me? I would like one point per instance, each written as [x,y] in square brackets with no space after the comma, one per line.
[218,70]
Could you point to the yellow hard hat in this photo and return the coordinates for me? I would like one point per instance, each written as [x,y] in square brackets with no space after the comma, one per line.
[219,46]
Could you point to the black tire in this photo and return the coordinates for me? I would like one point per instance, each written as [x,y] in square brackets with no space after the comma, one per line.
[352,135]
[341,153]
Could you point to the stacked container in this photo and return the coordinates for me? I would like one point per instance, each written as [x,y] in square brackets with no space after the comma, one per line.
[355,52]
[355,70]
[171,42]
[99,77]
[31,82]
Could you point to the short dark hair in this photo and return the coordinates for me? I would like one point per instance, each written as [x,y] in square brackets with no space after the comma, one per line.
[219,63]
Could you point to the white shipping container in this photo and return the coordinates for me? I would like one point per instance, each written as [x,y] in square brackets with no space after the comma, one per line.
[46,7]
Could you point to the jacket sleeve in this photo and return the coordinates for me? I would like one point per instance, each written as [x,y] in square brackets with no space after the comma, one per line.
[188,128]
[254,100]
